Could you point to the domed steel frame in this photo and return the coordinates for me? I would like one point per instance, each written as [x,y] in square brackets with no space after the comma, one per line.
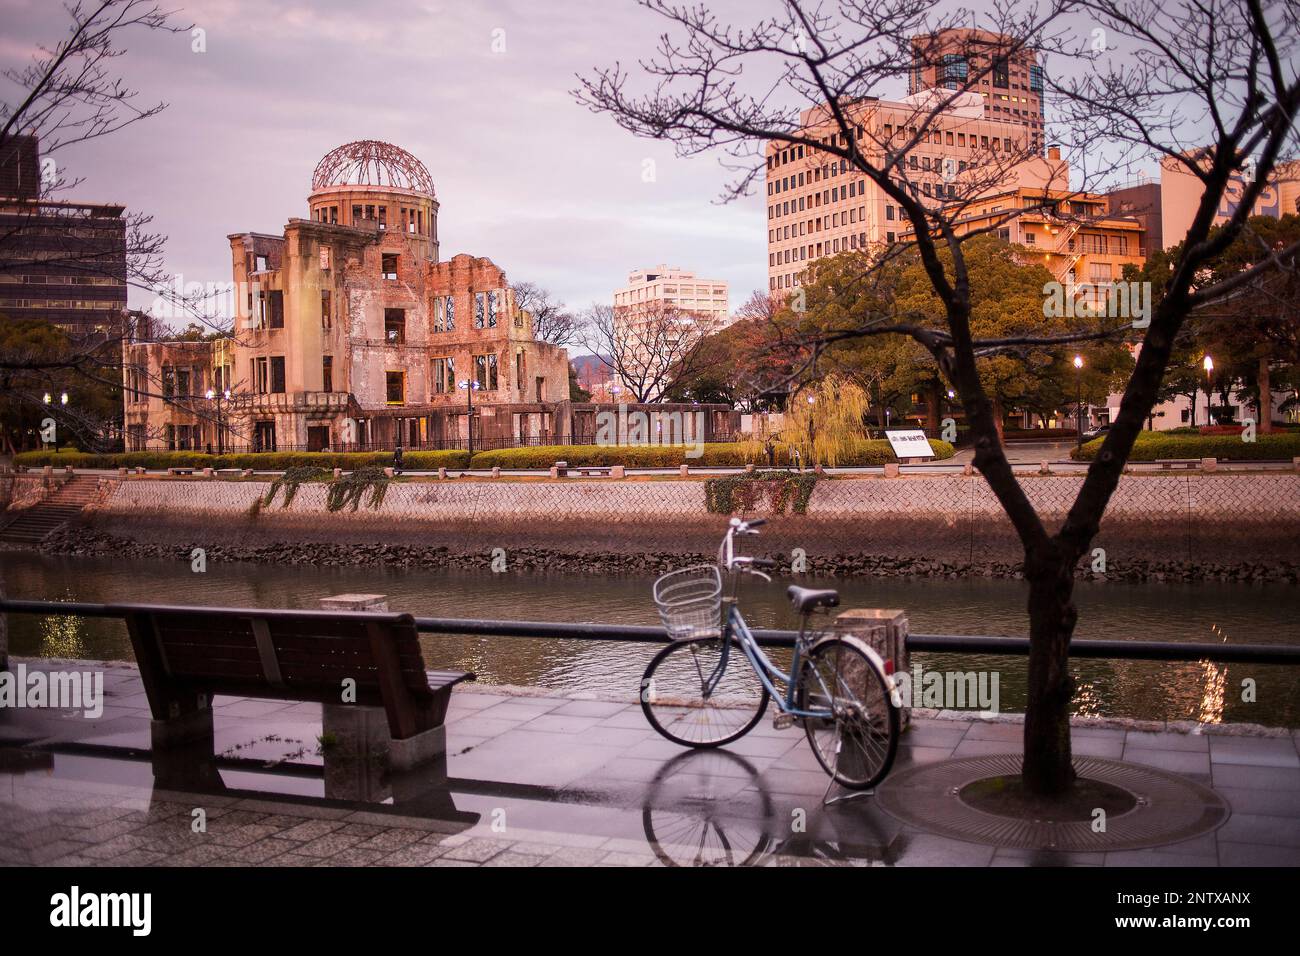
[370,162]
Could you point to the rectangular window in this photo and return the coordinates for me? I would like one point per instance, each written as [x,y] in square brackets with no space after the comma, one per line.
[395,388]
[451,313]
[444,375]
[277,374]
[492,309]
[168,382]
[1036,79]
[480,309]
[1001,74]
[485,372]
[326,314]
[438,320]
[356,214]
[327,373]
[388,265]
[277,308]
[394,326]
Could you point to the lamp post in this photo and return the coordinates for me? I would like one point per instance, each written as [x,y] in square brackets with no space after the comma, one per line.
[470,385]
[1078,400]
[1209,368]
[218,397]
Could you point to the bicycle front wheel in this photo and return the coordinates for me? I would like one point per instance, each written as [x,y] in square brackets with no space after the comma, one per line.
[679,705]
[857,738]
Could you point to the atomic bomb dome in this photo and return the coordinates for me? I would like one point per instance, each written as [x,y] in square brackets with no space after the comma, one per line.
[372,163]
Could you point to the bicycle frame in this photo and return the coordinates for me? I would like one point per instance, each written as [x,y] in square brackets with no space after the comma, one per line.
[768,672]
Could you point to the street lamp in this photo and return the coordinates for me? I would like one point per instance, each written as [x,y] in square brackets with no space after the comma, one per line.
[1209,368]
[1078,400]
[470,386]
[211,395]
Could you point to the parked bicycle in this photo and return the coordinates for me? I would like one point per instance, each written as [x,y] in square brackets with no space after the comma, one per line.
[838,688]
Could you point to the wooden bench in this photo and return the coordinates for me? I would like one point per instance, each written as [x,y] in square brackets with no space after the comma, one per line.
[188,655]
[180,471]
[1167,463]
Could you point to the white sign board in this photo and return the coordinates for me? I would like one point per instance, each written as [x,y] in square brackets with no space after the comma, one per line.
[910,443]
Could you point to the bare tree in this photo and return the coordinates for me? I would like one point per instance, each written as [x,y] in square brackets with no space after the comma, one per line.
[1209,85]
[648,350]
[552,321]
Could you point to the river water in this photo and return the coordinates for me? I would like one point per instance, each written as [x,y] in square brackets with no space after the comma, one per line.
[1140,689]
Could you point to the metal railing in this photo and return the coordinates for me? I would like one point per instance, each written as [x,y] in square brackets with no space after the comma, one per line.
[634,633]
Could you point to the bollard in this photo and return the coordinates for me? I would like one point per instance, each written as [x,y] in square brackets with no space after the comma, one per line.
[1044,468]
[685,471]
[338,472]
[442,472]
[616,471]
[496,472]
[1209,464]
[207,473]
[884,630]
[749,469]
[121,472]
[891,469]
[968,469]
[388,472]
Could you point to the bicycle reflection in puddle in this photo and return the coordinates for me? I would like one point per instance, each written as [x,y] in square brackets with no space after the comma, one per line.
[712,808]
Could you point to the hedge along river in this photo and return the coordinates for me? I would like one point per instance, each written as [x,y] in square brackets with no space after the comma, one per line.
[1150,690]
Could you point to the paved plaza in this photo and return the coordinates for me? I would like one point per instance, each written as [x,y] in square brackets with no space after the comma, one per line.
[536,779]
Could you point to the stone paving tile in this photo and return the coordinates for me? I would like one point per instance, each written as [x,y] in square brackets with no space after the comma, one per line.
[417,854]
[1279,803]
[559,724]
[1254,751]
[328,845]
[523,708]
[1261,778]
[477,850]
[1198,743]
[1179,761]
[1248,854]
[311,830]
[588,708]
[1251,828]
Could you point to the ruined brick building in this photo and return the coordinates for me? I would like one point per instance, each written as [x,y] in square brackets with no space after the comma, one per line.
[350,331]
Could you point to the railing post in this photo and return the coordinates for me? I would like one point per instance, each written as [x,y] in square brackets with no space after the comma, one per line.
[884,630]
[356,735]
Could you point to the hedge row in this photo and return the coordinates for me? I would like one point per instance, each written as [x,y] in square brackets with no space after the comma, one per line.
[876,452]
[262,461]
[1151,446]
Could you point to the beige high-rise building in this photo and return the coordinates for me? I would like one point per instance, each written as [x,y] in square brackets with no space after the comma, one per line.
[675,288]
[820,206]
[1010,83]
[658,317]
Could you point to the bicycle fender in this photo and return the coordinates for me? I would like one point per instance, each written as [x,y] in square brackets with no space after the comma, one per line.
[894,697]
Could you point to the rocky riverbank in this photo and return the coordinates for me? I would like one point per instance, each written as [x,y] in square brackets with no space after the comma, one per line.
[82,541]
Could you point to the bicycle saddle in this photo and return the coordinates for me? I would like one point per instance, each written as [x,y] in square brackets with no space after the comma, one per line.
[805,599]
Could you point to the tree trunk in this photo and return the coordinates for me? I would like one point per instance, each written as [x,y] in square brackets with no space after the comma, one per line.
[1048,767]
[1265,398]
[997,416]
[936,396]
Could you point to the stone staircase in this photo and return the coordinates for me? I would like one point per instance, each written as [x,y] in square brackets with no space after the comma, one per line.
[33,525]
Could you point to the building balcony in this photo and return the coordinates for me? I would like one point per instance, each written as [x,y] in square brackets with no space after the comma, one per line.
[272,402]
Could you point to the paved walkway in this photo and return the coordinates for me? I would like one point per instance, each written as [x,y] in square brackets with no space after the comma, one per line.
[547,780]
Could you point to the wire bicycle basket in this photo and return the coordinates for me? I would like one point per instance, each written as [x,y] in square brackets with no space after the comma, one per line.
[690,601]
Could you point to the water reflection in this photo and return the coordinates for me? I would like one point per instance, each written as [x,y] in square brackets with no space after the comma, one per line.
[712,808]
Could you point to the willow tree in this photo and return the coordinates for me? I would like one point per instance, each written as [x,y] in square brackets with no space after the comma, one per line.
[824,420]
[1206,86]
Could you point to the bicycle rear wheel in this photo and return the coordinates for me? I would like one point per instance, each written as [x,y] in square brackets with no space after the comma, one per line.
[675,701]
[857,740]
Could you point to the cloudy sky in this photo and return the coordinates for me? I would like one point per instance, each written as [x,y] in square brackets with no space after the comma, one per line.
[524,175]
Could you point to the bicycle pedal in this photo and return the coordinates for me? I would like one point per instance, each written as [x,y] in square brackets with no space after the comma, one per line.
[783,721]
